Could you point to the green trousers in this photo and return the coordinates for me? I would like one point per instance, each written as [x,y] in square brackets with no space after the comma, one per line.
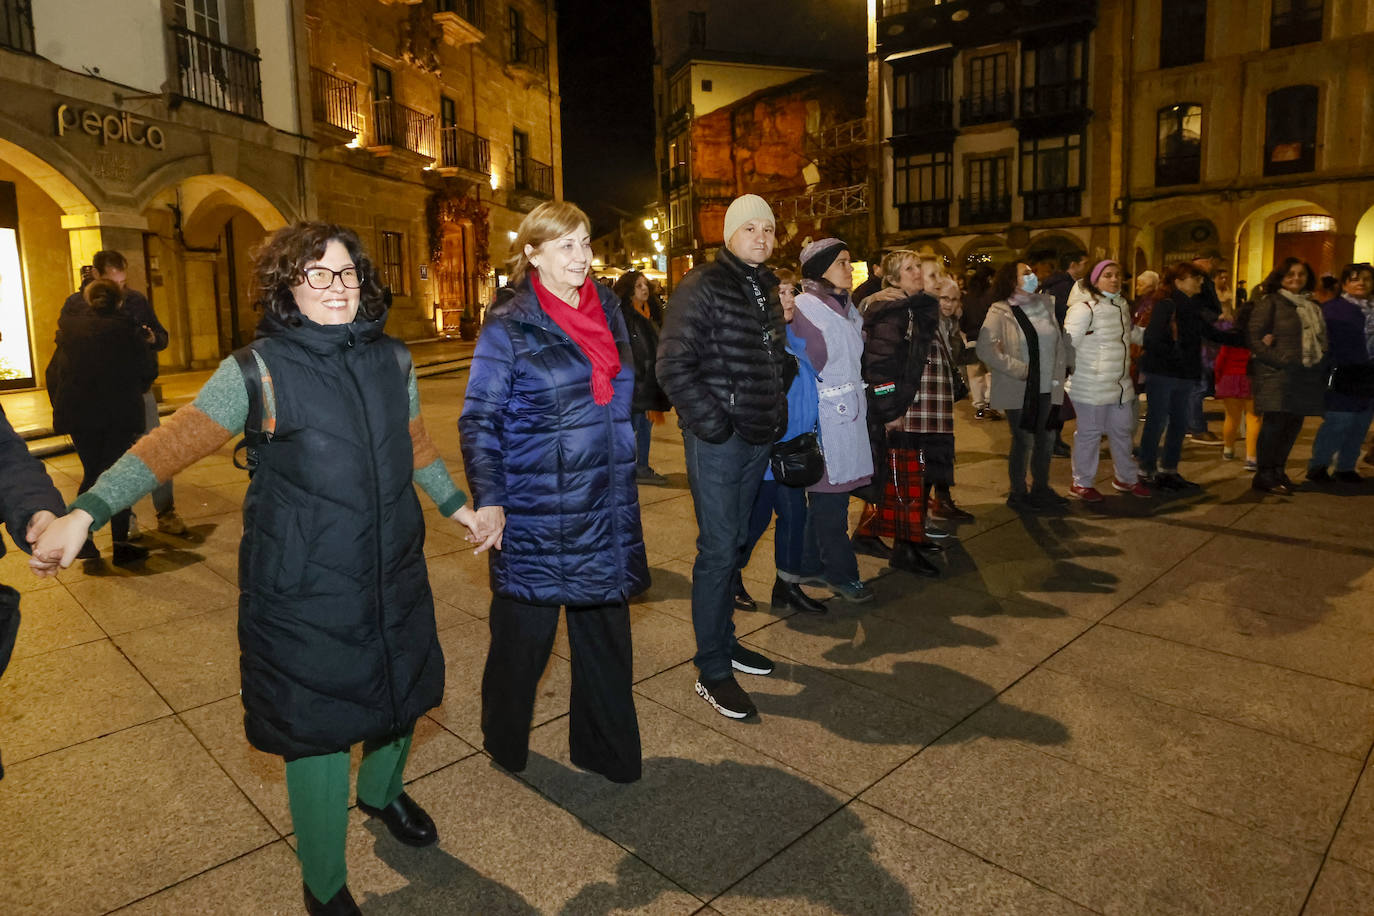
[317,790]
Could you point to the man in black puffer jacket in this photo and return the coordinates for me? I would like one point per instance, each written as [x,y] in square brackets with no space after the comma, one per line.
[722,362]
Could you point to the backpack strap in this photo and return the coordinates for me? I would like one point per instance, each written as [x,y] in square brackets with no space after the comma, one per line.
[258,427]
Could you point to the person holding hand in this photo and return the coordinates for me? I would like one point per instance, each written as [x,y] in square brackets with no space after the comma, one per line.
[336,619]
[549,451]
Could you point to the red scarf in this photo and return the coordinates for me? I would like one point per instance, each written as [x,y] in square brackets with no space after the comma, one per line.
[587,327]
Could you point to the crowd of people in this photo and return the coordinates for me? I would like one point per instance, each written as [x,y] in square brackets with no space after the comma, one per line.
[795,394]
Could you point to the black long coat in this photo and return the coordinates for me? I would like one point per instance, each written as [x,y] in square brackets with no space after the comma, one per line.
[99,372]
[336,618]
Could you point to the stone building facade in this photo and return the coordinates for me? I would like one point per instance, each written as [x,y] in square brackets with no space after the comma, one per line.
[1144,131]
[182,132]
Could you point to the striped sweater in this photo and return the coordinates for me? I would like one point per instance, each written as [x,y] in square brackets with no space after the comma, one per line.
[217,415]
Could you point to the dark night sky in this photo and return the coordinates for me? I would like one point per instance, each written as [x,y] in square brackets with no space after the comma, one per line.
[605,57]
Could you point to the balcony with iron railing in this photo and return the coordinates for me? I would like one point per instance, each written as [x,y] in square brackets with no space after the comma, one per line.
[676,176]
[1052,203]
[925,214]
[216,74]
[984,209]
[334,104]
[527,57]
[985,109]
[16,25]
[462,149]
[679,237]
[531,182]
[919,119]
[1051,99]
[400,127]
[464,21]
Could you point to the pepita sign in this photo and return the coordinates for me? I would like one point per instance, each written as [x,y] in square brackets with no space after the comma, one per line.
[117,127]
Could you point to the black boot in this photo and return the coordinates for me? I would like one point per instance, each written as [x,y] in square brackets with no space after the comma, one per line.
[907,557]
[873,546]
[743,600]
[790,595]
[341,904]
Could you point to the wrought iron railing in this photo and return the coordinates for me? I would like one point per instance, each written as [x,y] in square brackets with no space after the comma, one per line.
[216,74]
[925,214]
[1052,203]
[394,124]
[334,100]
[534,177]
[471,10]
[527,50]
[679,237]
[915,120]
[462,149]
[16,25]
[974,210]
[1054,98]
[985,109]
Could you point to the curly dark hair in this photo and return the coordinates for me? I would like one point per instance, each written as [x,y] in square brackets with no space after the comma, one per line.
[1274,282]
[279,264]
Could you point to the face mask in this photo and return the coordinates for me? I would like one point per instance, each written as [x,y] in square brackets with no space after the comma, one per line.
[1030,283]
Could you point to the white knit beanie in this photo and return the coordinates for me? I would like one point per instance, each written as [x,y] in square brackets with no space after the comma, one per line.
[742,210]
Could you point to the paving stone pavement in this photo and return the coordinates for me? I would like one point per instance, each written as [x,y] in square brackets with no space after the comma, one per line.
[1132,707]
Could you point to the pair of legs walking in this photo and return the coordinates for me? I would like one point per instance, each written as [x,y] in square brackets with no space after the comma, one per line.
[317,792]
[1030,448]
[603,728]
[1168,402]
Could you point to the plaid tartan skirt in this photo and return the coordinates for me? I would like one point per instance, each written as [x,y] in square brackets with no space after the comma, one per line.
[900,510]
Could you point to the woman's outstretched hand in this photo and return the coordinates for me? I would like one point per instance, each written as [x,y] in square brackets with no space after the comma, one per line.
[58,543]
[485,526]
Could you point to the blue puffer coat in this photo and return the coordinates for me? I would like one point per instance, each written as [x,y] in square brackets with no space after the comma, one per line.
[563,467]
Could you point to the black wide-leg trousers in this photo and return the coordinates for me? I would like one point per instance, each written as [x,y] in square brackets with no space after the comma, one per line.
[603,734]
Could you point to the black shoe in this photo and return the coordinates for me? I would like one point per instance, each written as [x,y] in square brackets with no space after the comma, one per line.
[935,531]
[1047,500]
[727,697]
[749,661]
[341,904]
[1266,484]
[743,601]
[1062,450]
[870,545]
[1020,502]
[1173,480]
[944,510]
[126,554]
[935,546]
[907,557]
[88,551]
[1318,476]
[1348,477]
[406,820]
[790,595]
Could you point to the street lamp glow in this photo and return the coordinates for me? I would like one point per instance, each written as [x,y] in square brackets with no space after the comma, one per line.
[653,236]
[648,223]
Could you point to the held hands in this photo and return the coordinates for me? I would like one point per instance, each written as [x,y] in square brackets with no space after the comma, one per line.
[485,526]
[57,540]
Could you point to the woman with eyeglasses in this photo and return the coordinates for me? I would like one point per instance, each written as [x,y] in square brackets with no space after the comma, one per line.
[338,644]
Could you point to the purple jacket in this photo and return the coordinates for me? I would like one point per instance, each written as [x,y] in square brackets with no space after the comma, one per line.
[1345,333]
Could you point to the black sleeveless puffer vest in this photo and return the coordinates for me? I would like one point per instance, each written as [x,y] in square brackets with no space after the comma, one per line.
[336,619]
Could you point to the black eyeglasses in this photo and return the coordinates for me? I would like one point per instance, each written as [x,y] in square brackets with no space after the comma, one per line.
[323,277]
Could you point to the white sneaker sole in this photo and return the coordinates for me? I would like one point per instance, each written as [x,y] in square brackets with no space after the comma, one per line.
[728,713]
[749,669]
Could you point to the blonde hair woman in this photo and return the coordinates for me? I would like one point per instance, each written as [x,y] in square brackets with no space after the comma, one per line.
[550,453]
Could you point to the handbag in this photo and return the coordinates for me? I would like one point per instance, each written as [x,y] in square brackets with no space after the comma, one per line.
[797,462]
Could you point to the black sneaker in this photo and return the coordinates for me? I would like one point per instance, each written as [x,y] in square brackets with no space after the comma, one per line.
[727,697]
[1348,477]
[749,661]
[126,554]
[1318,476]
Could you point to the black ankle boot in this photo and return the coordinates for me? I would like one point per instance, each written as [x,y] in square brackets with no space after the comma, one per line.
[790,595]
[873,546]
[907,557]
[341,904]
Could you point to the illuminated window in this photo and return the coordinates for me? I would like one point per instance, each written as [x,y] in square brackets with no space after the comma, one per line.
[1178,145]
[1309,222]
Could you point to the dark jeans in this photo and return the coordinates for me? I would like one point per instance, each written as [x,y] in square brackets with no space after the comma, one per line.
[603,733]
[724,478]
[1035,448]
[1277,435]
[1341,437]
[1197,417]
[1167,401]
[829,552]
[643,430]
[98,450]
[789,538]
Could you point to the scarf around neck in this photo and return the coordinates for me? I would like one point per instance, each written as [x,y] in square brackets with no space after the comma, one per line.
[586,326]
[1313,327]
